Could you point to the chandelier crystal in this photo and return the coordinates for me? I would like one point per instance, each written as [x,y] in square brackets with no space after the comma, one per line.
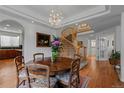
[55,17]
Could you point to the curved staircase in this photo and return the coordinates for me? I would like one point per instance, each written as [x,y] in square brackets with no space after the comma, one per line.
[67,39]
[71,45]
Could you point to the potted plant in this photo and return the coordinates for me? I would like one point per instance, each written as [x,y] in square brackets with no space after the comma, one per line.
[115,58]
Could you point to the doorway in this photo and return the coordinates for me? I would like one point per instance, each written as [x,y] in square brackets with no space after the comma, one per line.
[11,39]
[104,46]
[100,45]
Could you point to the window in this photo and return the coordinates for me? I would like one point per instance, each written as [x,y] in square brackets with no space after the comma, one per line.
[9,41]
[93,43]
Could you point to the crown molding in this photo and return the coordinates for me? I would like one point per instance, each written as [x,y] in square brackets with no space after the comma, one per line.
[84,33]
[86,15]
[12,31]
[42,20]
[89,14]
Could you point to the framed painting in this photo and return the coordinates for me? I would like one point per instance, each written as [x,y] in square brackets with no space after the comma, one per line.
[42,40]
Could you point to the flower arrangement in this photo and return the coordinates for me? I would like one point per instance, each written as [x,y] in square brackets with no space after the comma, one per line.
[56,45]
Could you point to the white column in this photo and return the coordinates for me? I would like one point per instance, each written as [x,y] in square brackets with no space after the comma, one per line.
[88,48]
[118,38]
[122,48]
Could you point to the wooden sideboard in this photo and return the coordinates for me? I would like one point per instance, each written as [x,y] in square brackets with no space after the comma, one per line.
[9,53]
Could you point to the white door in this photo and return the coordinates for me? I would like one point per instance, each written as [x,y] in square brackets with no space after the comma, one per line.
[102,53]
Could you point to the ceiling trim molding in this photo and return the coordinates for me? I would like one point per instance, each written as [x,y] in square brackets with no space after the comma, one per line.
[84,33]
[10,31]
[92,13]
[27,16]
[89,14]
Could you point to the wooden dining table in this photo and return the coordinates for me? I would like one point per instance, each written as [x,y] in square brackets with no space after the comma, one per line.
[60,65]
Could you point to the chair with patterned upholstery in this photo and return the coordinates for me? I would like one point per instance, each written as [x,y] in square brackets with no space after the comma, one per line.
[77,56]
[80,57]
[22,75]
[41,74]
[71,79]
[38,56]
[82,63]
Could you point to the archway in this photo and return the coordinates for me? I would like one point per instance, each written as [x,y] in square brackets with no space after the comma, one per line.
[11,35]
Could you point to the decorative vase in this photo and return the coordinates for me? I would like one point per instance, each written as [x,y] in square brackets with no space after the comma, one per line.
[54,56]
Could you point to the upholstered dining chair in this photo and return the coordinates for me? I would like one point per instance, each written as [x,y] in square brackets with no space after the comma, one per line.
[71,79]
[41,74]
[22,75]
[82,62]
[38,56]
[77,56]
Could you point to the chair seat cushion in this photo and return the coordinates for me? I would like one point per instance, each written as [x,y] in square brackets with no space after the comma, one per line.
[23,74]
[64,77]
[84,81]
[26,85]
[83,64]
[43,83]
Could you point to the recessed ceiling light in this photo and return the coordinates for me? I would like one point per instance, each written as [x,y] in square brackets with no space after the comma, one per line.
[76,24]
[5,27]
[32,21]
[8,25]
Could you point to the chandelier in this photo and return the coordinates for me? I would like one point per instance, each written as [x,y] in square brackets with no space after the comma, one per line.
[83,27]
[55,17]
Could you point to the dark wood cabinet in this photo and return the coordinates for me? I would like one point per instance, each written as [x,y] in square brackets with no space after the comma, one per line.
[6,54]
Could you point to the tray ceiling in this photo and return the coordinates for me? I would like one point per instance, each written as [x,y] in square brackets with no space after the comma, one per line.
[71,13]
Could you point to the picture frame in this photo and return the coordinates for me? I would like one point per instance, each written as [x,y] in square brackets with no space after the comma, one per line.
[42,40]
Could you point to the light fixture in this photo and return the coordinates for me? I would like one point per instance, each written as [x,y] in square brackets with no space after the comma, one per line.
[83,26]
[32,21]
[55,17]
[5,27]
[8,25]
[76,24]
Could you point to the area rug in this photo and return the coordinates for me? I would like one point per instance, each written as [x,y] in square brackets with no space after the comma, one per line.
[84,81]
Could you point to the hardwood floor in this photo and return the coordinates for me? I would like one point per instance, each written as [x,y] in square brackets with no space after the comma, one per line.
[102,74]
[7,74]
